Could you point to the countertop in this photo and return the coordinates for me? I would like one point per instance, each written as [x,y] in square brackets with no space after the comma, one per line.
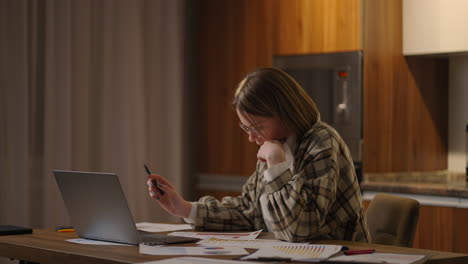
[434,183]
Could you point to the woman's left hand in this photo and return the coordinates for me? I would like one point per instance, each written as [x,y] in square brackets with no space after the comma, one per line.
[271,152]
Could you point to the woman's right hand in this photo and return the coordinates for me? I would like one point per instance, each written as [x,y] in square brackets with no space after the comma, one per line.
[272,152]
[171,200]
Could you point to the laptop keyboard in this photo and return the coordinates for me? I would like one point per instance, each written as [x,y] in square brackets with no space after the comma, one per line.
[162,239]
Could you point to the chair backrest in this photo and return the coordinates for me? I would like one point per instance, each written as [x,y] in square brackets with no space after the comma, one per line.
[392,220]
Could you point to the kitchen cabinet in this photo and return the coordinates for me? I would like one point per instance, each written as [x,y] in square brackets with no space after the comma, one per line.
[435,26]
[305,27]
[405,98]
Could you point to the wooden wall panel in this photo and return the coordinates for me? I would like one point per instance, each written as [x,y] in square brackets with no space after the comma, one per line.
[461,227]
[435,228]
[442,228]
[235,38]
[405,99]
[316,26]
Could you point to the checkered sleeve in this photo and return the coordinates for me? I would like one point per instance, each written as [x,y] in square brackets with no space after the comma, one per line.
[298,205]
[231,213]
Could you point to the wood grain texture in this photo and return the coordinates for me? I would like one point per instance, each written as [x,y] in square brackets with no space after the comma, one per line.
[442,228]
[405,99]
[316,26]
[461,227]
[435,228]
[235,38]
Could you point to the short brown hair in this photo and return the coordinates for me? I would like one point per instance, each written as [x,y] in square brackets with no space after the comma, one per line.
[271,92]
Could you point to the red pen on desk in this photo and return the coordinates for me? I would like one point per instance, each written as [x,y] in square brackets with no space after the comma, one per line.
[359,251]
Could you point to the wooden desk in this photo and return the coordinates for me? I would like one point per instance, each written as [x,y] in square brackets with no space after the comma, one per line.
[47,246]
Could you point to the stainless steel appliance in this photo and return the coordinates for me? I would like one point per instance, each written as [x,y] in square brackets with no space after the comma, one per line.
[334,81]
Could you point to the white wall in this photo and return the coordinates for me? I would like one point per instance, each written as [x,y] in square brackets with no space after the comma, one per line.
[458,112]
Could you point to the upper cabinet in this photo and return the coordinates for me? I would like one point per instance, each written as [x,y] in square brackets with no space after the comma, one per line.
[435,26]
[304,26]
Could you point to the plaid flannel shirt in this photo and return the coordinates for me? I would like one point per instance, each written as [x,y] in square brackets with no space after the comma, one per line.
[320,199]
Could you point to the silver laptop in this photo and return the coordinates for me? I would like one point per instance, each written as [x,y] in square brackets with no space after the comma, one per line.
[98,209]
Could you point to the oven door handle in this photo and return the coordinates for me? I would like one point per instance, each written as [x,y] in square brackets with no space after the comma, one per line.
[341,109]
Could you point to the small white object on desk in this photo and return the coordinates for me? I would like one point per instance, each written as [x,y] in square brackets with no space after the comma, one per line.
[205,235]
[85,241]
[299,252]
[157,227]
[207,251]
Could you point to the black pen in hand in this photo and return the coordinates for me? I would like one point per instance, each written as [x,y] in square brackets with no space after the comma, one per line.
[154,181]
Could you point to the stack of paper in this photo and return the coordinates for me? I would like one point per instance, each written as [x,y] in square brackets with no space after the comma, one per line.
[157,227]
[210,251]
[205,235]
[202,250]
[295,252]
[218,243]
[254,243]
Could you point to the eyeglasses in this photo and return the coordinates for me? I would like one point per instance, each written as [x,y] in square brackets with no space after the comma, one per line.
[251,130]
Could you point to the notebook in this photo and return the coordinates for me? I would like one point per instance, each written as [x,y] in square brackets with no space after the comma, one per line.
[14,230]
[98,209]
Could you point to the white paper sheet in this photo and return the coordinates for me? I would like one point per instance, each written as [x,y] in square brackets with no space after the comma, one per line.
[94,242]
[254,243]
[303,252]
[205,235]
[379,258]
[195,260]
[209,251]
[157,227]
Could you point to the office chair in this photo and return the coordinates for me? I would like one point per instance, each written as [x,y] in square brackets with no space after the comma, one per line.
[392,220]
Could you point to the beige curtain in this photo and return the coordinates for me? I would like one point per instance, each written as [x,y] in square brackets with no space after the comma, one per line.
[93,86]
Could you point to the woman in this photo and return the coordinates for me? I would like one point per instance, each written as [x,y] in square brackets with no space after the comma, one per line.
[304,186]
